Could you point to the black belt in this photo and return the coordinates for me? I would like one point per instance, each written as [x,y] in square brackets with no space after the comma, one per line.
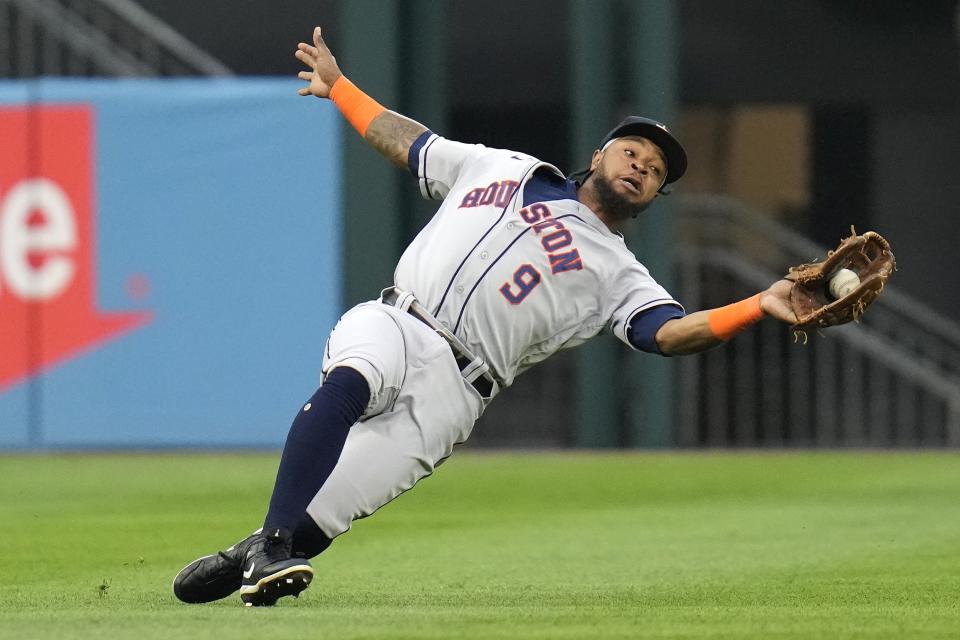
[485,382]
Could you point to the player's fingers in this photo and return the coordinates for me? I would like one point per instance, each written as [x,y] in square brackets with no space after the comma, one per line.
[305,58]
[305,75]
[305,91]
[317,38]
[308,49]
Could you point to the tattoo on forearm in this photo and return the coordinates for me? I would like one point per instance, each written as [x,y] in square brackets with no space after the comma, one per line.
[392,134]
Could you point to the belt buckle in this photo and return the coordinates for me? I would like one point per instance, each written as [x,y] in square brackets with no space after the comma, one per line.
[397,298]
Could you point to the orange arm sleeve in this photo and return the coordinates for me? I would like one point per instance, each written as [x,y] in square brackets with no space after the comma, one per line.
[726,322]
[357,107]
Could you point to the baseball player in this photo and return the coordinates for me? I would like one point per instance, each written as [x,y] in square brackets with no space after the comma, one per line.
[518,263]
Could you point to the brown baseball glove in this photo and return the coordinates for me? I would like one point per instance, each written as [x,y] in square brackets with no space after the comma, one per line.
[868,256]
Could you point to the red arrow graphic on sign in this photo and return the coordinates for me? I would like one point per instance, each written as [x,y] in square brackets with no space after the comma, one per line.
[48,310]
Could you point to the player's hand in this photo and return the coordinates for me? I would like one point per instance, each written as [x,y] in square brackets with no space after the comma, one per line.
[323,67]
[775,302]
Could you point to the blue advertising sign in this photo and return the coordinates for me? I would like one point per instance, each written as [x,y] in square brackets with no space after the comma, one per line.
[170,257]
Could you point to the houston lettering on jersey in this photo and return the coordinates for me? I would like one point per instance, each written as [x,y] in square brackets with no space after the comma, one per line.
[47,251]
[497,194]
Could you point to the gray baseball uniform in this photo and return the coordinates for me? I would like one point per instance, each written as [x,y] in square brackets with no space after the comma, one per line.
[514,268]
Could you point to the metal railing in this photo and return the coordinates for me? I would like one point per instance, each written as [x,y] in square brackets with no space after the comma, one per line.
[94,38]
[891,380]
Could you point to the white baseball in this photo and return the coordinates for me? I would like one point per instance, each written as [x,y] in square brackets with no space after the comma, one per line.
[843,282]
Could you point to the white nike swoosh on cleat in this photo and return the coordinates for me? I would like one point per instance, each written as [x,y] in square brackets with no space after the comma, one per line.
[302,568]
[248,572]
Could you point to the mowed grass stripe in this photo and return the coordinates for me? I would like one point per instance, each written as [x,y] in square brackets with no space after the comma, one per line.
[511,545]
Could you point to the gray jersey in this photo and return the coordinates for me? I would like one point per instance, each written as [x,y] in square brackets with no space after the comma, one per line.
[515,283]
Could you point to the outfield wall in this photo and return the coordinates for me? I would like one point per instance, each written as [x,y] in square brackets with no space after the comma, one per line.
[170,258]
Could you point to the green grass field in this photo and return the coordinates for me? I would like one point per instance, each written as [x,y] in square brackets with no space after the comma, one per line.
[523,545]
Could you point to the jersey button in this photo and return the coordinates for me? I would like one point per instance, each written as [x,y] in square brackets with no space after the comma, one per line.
[460,288]
[483,255]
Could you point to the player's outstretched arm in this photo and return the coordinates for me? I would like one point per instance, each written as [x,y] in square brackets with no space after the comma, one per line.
[386,131]
[706,329]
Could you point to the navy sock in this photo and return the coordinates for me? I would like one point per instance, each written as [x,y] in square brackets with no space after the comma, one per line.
[308,539]
[314,445]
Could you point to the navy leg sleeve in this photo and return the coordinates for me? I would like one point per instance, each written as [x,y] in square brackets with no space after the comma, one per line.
[314,445]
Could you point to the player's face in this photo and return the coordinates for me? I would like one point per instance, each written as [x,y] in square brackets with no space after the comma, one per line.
[637,167]
[628,174]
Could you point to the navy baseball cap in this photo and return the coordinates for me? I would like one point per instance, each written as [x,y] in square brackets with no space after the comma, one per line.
[657,133]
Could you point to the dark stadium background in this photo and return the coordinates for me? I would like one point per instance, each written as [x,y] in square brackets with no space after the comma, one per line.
[821,114]
[878,70]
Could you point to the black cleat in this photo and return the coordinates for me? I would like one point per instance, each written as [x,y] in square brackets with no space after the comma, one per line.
[269,573]
[214,577]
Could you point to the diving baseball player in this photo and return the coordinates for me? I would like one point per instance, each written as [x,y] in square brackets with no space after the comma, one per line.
[518,263]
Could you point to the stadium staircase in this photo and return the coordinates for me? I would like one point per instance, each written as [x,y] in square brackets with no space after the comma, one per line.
[94,38]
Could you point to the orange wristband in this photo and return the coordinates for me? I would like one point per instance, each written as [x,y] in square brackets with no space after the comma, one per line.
[357,107]
[726,322]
